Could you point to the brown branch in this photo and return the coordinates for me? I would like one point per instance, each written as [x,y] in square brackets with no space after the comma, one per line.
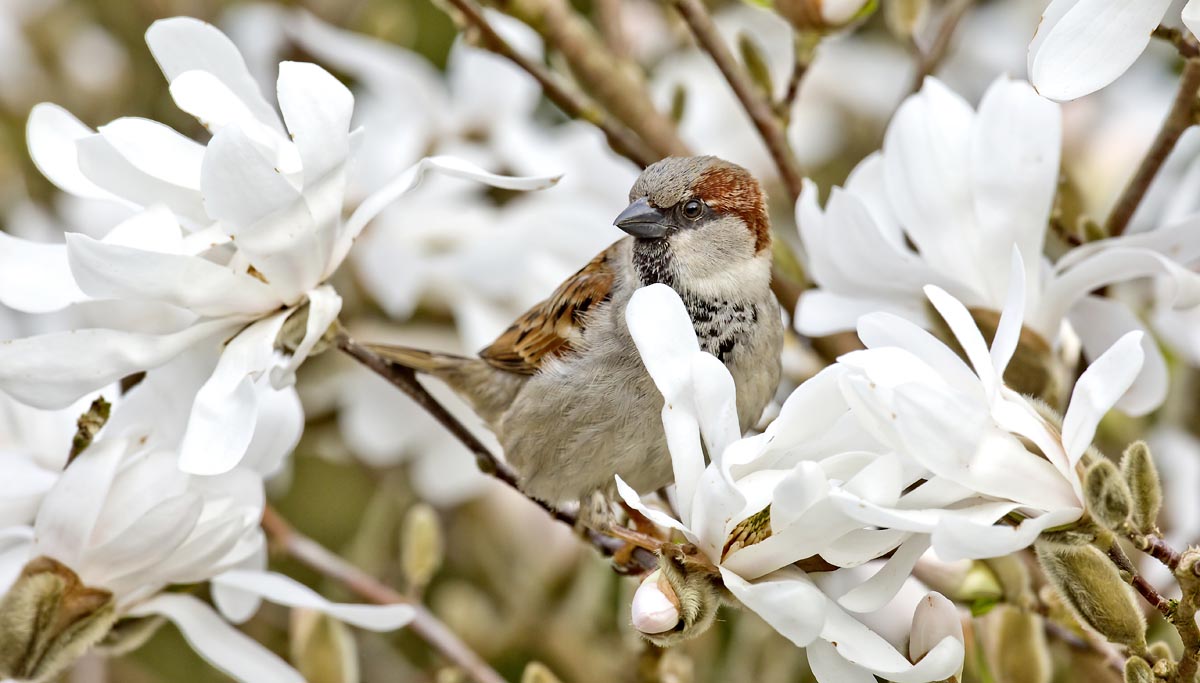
[1157,548]
[1139,583]
[619,85]
[929,60]
[760,110]
[1187,47]
[609,19]
[430,629]
[572,103]
[405,380]
[1181,117]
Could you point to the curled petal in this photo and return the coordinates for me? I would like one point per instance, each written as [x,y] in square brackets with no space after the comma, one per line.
[286,591]
[52,133]
[1098,390]
[36,277]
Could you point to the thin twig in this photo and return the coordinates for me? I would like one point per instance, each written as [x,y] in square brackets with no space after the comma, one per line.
[619,85]
[1139,583]
[929,60]
[1157,548]
[1186,46]
[430,629]
[572,103]
[1181,117]
[609,17]
[405,380]
[760,110]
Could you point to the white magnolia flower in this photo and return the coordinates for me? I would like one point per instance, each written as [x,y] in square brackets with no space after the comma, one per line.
[1083,45]
[237,235]
[951,191]
[747,475]
[124,518]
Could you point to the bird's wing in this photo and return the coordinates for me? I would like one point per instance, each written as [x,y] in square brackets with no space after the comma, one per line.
[555,326]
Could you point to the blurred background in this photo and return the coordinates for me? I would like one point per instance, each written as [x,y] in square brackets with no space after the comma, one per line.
[451,265]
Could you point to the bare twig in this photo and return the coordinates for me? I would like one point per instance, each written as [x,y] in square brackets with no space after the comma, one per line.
[573,103]
[757,106]
[1187,47]
[430,629]
[609,19]
[929,60]
[1181,117]
[1139,583]
[406,381]
[617,84]
[1157,548]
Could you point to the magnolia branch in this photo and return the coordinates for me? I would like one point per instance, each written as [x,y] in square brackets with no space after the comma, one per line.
[405,380]
[760,110]
[1139,583]
[1181,117]
[574,104]
[929,60]
[308,552]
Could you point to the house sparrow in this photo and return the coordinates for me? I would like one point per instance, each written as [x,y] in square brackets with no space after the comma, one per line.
[564,388]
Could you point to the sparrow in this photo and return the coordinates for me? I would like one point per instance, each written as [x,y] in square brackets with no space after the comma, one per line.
[564,389]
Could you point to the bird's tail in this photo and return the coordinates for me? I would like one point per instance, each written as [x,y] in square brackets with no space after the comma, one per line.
[430,362]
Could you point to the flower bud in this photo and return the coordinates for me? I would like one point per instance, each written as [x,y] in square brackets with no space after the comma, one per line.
[655,605]
[823,15]
[1016,649]
[1141,476]
[536,672]
[756,64]
[934,619]
[88,425]
[322,648]
[970,581]
[691,591]
[1138,671]
[48,619]
[1108,498]
[421,546]
[128,635]
[1093,588]
[904,17]
[1034,369]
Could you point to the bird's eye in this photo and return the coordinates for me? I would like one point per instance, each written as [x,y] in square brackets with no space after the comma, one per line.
[693,209]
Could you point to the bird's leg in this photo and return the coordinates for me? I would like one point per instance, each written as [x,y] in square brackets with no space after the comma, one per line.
[643,535]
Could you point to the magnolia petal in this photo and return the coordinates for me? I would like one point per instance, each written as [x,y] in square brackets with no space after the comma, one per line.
[225,411]
[786,600]
[662,331]
[52,132]
[1106,267]
[70,510]
[265,214]
[283,590]
[830,667]
[35,277]
[861,646]
[223,646]
[109,271]
[156,150]
[1008,331]
[934,619]
[968,335]
[682,431]
[820,313]
[1100,322]
[716,403]
[881,330]
[235,604]
[879,590]
[324,304]
[411,178]
[960,538]
[53,370]
[822,524]
[107,167]
[1083,45]
[182,44]
[862,545]
[317,109]
[633,500]
[278,430]
[1099,388]
[1191,16]
[15,542]
[1014,175]
[124,562]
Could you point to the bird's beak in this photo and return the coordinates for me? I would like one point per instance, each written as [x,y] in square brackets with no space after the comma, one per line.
[642,220]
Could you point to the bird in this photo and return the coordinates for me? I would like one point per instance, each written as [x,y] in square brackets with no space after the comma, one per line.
[564,389]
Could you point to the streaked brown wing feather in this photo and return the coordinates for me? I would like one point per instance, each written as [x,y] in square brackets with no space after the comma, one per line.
[555,326]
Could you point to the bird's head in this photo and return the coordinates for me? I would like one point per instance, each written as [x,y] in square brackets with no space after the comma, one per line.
[707,215]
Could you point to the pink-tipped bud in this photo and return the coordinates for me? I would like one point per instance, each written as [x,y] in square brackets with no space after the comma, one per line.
[655,605]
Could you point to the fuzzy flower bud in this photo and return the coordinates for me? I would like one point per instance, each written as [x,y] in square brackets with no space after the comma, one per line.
[48,619]
[1017,650]
[1092,586]
[536,672]
[323,648]
[1142,478]
[655,605]
[1108,498]
[1138,671]
[421,545]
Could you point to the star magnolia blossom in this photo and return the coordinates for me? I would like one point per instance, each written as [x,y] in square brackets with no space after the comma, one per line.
[237,235]
[897,449]
[700,409]
[1083,45]
[961,187]
[126,519]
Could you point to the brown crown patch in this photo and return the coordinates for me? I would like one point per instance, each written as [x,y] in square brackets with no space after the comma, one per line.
[732,190]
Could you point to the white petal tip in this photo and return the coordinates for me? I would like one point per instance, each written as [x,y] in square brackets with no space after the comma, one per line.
[653,610]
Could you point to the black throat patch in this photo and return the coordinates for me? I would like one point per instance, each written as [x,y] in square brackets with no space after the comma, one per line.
[652,262]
